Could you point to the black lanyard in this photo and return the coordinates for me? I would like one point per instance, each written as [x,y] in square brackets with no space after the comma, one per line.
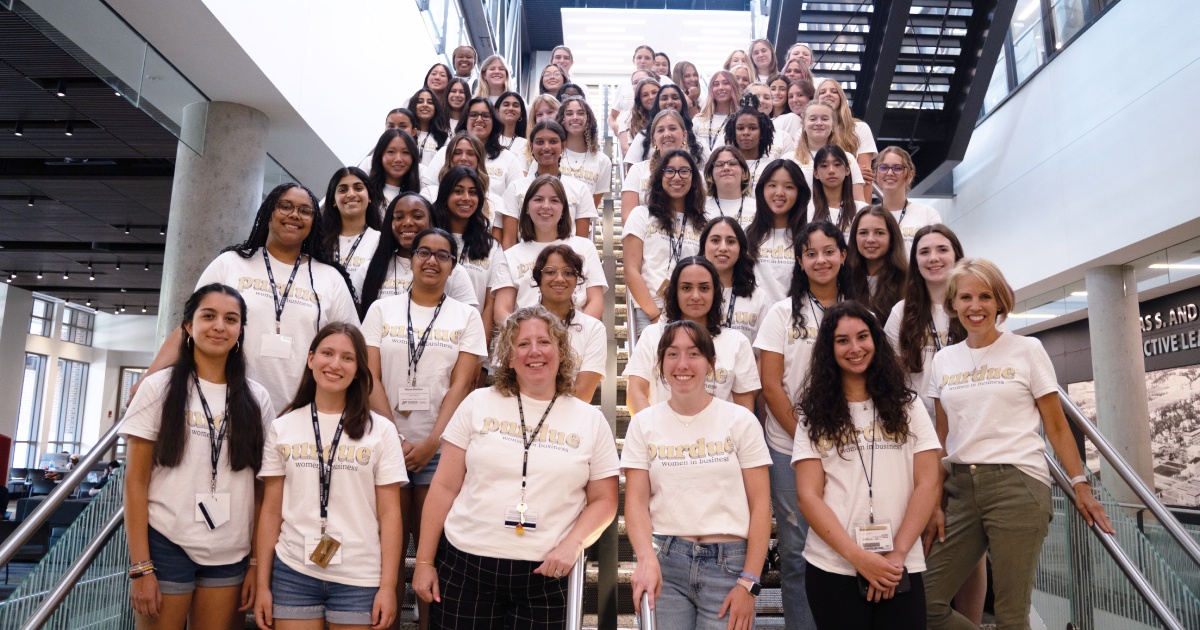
[325,472]
[528,438]
[740,206]
[415,349]
[215,438]
[813,305]
[281,302]
[350,254]
[729,311]
[937,341]
[712,134]
[870,476]
[903,211]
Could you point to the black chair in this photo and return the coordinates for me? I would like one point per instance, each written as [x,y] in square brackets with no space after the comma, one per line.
[17,474]
[33,550]
[41,485]
[25,507]
[63,516]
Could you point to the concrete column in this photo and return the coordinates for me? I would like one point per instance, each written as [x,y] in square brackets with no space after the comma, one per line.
[1119,370]
[213,198]
[15,307]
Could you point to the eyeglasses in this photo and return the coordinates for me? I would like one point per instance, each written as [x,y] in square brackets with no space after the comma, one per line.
[892,168]
[726,164]
[478,115]
[685,172]
[286,208]
[566,273]
[423,254]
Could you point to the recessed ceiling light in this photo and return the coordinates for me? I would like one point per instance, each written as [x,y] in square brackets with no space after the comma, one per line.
[61,90]
[70,131]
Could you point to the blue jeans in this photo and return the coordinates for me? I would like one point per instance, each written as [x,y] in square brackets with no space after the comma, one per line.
[642,320]
[791,529]
[298,596]
[696,579]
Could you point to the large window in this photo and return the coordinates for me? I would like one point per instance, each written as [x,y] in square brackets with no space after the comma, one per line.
[41,321]
[77,326]
[69,390]
[25,444]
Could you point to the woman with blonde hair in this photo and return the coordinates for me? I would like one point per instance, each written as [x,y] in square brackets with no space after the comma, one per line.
[493,78]
[853,134]
[894,173]
[819,130]
[543,107]
[763,59]
[687,77]
[724,93]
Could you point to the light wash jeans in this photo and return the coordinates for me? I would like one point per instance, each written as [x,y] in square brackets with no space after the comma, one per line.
[696,579]
[791,530]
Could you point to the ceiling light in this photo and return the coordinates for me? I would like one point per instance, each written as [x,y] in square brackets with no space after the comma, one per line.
[70,129]
[12,276]
[143,308]
[8,279]
[118,93]
[1174,266]
[147,267]
[19,130]
[118,265]
[122,309]
[39,275]
[61,90]
[31,200]
[89,302]
[126,229]
[162,230]
[1079,294]
[91,276]
[66,276]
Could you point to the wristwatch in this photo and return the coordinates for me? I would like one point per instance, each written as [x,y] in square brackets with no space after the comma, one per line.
[754,588]
[1080,479]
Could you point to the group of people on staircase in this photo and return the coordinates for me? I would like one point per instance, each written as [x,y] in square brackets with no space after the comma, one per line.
[429,335]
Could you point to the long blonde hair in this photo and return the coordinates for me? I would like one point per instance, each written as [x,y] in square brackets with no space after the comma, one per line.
[709,103]
[482,90]
[804,150]
[844,135]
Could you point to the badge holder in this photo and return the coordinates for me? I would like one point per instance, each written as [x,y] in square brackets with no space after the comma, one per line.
[874,536]
[520,518]
[413,397]
[276,346]
[326,550]
[212,509]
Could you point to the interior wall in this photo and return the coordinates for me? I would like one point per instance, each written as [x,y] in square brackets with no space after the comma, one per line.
[1089,162]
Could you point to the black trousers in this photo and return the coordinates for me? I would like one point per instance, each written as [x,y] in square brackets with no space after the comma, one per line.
[493,593]
[837,605]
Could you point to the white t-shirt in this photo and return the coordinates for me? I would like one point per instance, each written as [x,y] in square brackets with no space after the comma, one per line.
[636,152]
[427,146]
[638,180]
[580,202]
[301,318]
[695,465]
[519,147]
[856,176]
[778,335]
[491,209]
[835,214]
[390,192]
[736,371]
[594,169]
[502,171]
[458,329]
[919,381]
[173,491]
[745,206]
[657,259]
[788,125]
[575,446]
[589,339]
[521,257]
[990,397]
[846,488]
[747,314]
[915,216]
[710,132]
[374,460]
[357,259]
[486,274]
[776,257]
[624,99]
[399,278]
[866,139]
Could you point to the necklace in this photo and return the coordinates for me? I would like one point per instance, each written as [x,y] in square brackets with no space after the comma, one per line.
[971,351]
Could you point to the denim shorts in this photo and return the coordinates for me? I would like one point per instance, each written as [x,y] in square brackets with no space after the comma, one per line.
[696,579]
[178,574]
[298,596]
[425,477]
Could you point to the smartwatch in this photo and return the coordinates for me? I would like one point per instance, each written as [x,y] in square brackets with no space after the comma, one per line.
[754,588]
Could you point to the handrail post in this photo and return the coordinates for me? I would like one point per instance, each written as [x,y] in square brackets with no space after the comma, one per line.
[60,591]
[575,593]
[26,529]
[646,619]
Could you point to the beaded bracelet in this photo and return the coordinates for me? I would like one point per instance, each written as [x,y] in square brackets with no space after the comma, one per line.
[141,569]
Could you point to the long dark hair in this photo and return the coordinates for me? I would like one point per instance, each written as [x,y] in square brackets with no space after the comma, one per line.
[658,203]
[671,299]
[590,128]
[890,278]
[492,143]
[449,75]
[797,216]
[450,113]
[823,399]
[477,237]
[388,249]
[918,312]
[356,418]
[520,129]
[821,210]
[242,415]
[571,259]
[439,126]
[684,111]
[766,129]
[800,287]
[331,216]
[410,180]
[744,281]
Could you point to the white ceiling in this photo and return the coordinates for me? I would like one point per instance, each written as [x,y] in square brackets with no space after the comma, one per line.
[603,40]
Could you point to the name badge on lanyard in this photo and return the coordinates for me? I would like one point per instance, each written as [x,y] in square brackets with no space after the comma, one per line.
[521,517]
[413,397]
[875,535]
[278,345]
[212,508]
[325,549]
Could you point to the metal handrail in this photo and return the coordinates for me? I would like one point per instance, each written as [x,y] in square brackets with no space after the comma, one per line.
[61,492]
[1131,478]
[646,620]
[575,593]
[1113,547]
[56,596]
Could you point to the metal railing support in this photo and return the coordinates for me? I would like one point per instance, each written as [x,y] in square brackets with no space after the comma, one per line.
[61,492]
[575,593]
[646,619]
[56,596]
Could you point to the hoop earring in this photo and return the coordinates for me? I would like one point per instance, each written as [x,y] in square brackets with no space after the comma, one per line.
[237,347]
[188,341]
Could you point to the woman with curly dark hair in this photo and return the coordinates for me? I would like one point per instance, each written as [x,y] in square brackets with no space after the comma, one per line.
[785,340]
[743,292]
[582,157]
[865,562]
[752,133]
[657,235]
[877,262]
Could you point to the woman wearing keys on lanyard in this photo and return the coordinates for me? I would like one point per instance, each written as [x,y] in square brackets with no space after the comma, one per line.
[189,489]
[866,509]
[424,350]
[292,287]
[330,536]
[697,498]
[351,218]
[528,480]
[785,340]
